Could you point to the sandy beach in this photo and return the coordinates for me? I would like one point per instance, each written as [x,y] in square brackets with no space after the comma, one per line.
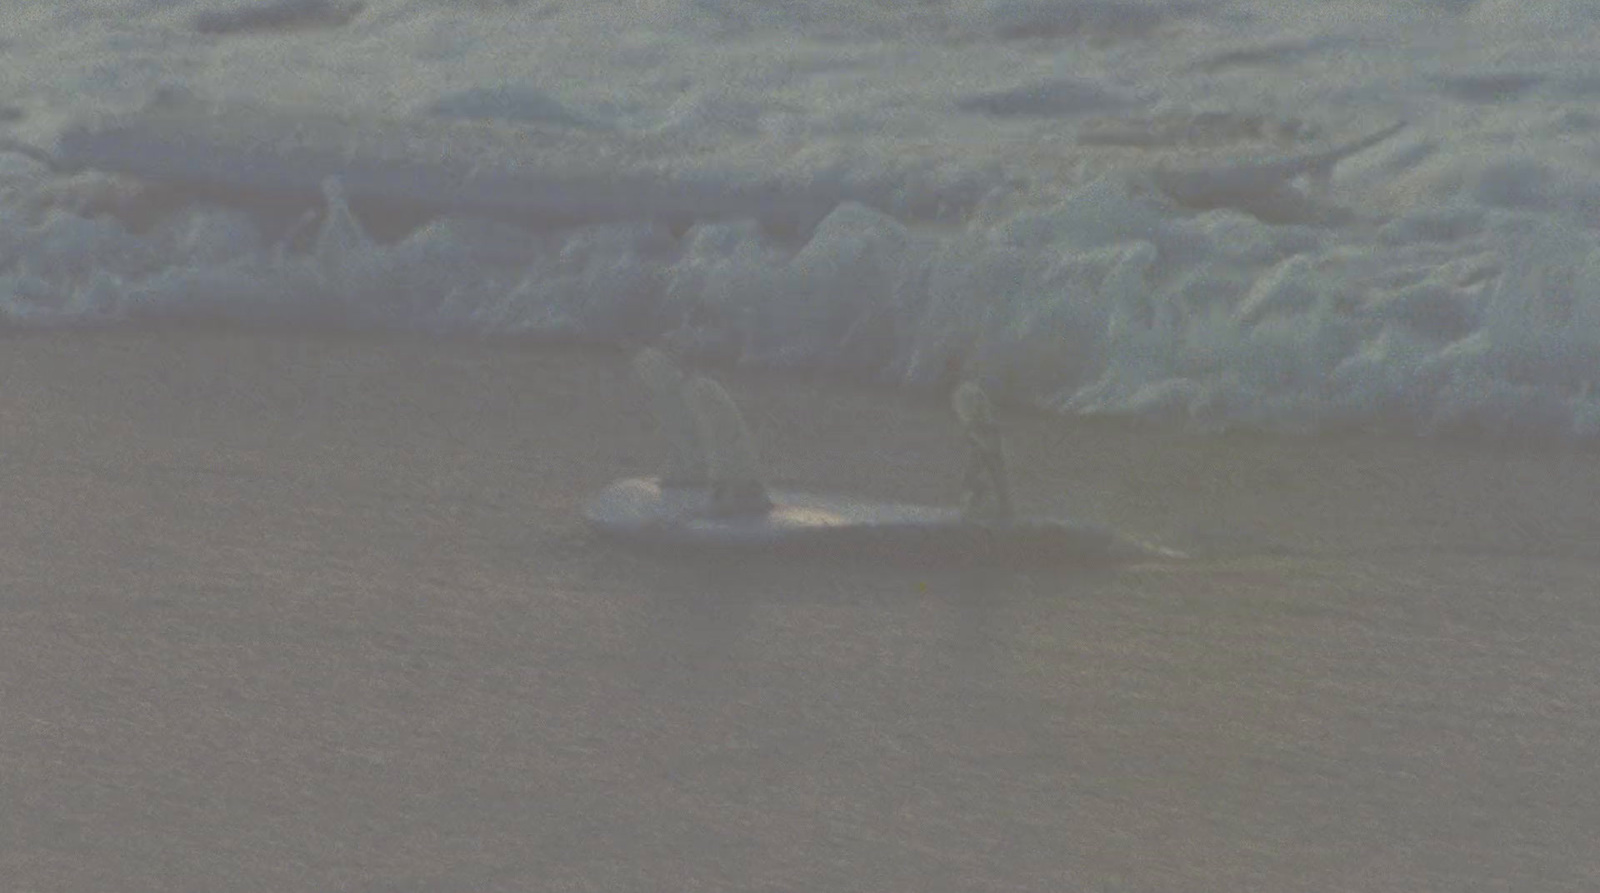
[294,613]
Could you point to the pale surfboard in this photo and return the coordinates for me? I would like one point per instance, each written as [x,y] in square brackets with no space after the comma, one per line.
[640,511]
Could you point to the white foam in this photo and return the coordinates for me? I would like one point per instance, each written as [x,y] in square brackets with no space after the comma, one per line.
[1051,97]
[1126,207]
[64,246]
[512,102]
[207,236]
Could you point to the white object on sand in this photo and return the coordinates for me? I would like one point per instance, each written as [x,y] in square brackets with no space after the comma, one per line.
[735,512]
[641,512]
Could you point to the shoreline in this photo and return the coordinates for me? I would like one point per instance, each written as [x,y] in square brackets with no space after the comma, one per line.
[806,423]
[765,377]
[317,613]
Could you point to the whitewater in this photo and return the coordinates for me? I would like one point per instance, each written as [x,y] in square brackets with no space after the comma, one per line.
[1295,217]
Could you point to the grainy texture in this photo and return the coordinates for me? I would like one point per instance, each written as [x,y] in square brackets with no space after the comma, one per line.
[686,454]
[291,614]
[276,15]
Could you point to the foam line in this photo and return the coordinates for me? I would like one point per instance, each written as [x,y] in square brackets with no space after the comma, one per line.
[1258,186]
[530,174]
[276,14]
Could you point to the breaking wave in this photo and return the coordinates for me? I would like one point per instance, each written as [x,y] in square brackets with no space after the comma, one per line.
[1109,301]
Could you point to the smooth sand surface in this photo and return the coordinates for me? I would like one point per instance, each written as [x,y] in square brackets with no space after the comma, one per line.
[282,613]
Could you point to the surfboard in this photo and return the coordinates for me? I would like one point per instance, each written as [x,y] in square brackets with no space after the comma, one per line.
[640,511]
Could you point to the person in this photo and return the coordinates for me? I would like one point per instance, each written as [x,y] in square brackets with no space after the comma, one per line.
[686,454]
[731,460]
[710,447]
[985,493]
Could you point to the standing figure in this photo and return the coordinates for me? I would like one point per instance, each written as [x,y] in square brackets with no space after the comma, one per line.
[985,495]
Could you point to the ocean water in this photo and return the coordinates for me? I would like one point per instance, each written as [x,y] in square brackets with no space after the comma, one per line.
[1095,206]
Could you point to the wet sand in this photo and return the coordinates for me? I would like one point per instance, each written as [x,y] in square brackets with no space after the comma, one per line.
[283,613]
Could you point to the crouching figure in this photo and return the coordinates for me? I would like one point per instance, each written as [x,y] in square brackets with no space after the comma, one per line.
[710,446]
[731,462]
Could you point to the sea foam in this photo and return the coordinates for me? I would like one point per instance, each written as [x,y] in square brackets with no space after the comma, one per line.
[1116,208]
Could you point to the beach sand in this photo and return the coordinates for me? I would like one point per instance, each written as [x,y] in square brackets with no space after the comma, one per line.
[293,613]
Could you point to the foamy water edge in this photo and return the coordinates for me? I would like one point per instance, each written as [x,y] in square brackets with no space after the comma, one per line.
[1009,185]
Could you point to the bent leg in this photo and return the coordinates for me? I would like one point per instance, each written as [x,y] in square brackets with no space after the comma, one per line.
[686,455]
[732,464]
